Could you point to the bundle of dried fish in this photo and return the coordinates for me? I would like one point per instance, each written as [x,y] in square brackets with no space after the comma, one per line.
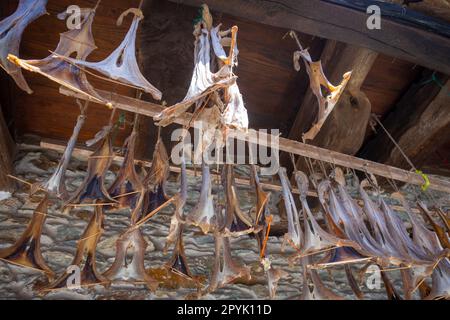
[314,237]
[318,80]
[121,64]
[56,183]
[78,42]
[127,187]
[205,84]
[93,187]
[11,30]
[155,181]
[85,256]
[27,250]
[236,222]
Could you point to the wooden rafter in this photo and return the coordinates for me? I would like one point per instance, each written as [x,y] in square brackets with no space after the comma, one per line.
[286,145]
[404,34]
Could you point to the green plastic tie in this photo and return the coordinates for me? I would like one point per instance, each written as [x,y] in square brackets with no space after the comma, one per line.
[425,178]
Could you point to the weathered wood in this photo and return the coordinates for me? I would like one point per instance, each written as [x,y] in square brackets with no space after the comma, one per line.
[286,145]
[420,123]
[6,155]
[407,37]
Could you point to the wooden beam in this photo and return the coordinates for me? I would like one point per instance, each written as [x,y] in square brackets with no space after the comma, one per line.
[286,145]
[420,123]
[6,155]
[404,34]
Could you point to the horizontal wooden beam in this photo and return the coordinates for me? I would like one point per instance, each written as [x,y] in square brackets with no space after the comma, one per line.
[85,153]
[286,145]
[404,34]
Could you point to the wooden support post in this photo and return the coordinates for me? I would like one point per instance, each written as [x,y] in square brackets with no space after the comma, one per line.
[6,155]
[420,123]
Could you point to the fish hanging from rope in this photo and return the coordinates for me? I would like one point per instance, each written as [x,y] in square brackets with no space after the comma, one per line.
[11,30]
[205,84]
[318,81]
[78,42]
[27,250]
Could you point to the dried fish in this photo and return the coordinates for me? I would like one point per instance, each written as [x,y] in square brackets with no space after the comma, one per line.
[155,181]
[294,235]
[203,215]
[78,42]
[56,183]
[27,250]
[85,255]
[440,281]
[93,185]
[11,30]
[121,65]
[236,222]
[318,80]
[127,187]
[440,232]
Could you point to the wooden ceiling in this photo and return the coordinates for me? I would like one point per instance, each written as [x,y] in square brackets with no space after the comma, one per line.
[272,89]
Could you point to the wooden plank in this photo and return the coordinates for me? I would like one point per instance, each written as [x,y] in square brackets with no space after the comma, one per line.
[420,123]
[286,145]
[407,37]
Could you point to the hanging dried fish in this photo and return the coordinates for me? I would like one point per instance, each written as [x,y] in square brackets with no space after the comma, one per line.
[205,84]
[314,237]
[121,65]
[225,270]
[318,82]
[440,232]
[203,215]
[11,30]
[78,42]
[440,282]
[155,181]
[261,211]
[319,290]
[27,250]
[127,187]
[294,235]
[85,255]
[236,222]
[178,262]
[93,185]
[56,183]
[131,243]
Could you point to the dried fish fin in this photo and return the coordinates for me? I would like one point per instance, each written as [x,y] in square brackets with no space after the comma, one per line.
[56,183]
[294,234]
[127,181]
[317,80]
[93,185]
[121,64]
[27,250]
[203,215]
[225,269]
[11,30]
[85,255]
[178,262]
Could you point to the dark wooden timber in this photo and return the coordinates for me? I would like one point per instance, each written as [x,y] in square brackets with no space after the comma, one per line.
[412,36]
[420,123]
[6,155]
